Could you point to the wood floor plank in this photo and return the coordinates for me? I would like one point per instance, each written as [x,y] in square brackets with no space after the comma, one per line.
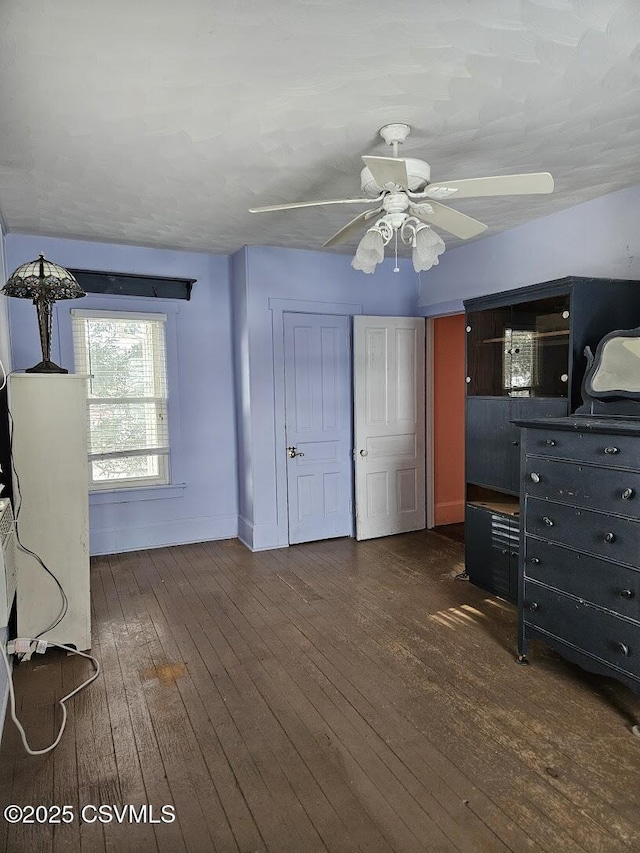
[336,696]
[398,770]
[304,617]
[513,720]
[167,720]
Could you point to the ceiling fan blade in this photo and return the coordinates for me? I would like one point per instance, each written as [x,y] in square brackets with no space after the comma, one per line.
[350,228]
[295,204]
[450,220]
[388,171]
[530,184]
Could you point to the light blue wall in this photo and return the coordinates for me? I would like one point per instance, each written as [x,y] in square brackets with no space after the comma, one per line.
[278,280]
[206,508]
[598,238]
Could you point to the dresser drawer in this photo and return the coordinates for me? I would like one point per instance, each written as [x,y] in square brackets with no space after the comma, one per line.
[614,451]
[607,584]
[606,489]
[608,536]
[596,632]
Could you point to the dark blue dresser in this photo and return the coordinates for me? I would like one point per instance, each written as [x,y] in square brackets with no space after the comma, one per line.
[579,564]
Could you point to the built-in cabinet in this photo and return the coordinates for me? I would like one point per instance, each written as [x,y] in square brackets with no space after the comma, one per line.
[525,359]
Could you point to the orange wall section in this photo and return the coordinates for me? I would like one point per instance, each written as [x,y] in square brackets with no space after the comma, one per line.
[448,418]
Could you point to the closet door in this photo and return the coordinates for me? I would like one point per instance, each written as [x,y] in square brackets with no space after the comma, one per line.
[389,392]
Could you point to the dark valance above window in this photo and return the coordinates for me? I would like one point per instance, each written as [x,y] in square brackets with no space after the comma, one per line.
[123,284]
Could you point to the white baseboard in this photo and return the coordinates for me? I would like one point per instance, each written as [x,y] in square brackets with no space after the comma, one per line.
[117,540]
[258,537]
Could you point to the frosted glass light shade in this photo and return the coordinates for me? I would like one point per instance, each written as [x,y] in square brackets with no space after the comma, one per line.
[370,252]
[429,246]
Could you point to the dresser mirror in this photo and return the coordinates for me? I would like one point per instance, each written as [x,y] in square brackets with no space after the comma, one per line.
[614,372]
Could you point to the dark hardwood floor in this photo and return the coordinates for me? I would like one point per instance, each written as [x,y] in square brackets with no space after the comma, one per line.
[335,696]
[451,531]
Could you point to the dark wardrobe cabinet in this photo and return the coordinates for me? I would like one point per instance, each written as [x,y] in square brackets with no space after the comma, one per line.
[525,359]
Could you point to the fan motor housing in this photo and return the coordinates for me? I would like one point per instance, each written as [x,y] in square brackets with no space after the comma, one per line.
[418,172]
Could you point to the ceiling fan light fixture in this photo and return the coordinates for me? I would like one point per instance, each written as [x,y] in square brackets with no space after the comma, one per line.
[402,188]
[427,246]
[370,251]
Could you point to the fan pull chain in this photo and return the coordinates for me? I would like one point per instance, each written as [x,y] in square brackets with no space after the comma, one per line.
[396,268]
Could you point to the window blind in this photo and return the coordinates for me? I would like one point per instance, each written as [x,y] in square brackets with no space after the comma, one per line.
[124,356]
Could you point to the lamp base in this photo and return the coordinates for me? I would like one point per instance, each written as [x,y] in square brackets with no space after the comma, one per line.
[46,367]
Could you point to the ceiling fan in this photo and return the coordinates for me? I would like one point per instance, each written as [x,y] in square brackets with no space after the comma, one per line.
[408,204]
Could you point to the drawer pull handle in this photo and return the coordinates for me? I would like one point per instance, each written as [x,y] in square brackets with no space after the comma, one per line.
[535,561]
[533,606]
[611,450]
[627,494]
[505,550]
[548,521]
[550,442]
[610,537]
[535,477]
[623,648]
[626,593]
[515,443]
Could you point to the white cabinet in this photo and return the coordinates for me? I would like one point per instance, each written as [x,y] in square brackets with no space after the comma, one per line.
[7,561]
[51,501]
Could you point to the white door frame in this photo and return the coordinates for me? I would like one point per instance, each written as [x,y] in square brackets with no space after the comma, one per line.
[430,461]
[278,307]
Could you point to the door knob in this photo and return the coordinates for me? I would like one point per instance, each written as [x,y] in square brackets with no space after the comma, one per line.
[627,494]
[293,452]
[364,453]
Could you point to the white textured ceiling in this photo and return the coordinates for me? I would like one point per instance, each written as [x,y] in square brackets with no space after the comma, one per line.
[156,122]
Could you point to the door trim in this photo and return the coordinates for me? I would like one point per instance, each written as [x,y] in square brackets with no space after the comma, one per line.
[430,460]
[278,308]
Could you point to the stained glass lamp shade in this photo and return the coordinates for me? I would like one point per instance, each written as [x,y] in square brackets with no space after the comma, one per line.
[44,283]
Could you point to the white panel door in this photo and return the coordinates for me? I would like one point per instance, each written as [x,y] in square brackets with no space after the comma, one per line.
[389,419]
[318,408]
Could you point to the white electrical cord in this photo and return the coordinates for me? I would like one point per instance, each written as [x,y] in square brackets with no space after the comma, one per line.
[4,376]
[61,702]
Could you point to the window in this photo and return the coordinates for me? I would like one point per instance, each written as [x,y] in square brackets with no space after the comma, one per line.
[124,355]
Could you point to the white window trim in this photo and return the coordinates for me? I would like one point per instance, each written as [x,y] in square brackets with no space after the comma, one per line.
[121,315]
[111,303]
[163,453]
